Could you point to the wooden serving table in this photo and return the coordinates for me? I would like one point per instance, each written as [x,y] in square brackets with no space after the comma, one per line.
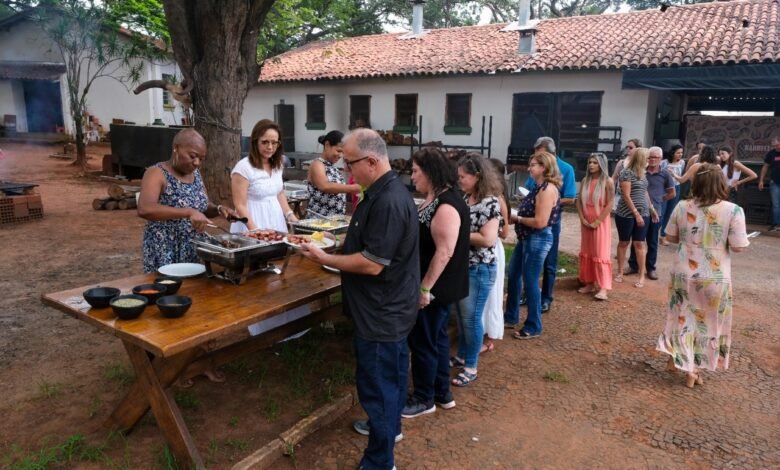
[211,333]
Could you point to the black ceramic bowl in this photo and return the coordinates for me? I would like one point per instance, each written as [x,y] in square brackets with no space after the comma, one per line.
[159,291]
[171,284]
[99,297]
[131,311]
[174,306]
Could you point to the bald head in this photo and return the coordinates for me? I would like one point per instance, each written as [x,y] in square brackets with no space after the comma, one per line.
[368,142]
[189,136]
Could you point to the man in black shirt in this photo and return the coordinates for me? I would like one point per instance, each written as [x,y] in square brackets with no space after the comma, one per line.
[380,280]
[772,162]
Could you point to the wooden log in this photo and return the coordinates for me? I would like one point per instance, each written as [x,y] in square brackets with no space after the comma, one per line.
[127,203]
[100,204]
[118,191]
[111,205]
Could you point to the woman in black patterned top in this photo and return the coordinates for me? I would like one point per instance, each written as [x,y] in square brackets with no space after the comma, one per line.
[479,182]
[326,182]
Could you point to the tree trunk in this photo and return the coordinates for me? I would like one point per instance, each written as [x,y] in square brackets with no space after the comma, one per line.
[81,146]
[215,44]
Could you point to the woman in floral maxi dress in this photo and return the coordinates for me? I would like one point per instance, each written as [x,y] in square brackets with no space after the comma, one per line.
[698,323]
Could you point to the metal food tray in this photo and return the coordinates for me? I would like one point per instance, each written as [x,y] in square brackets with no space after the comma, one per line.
[338,224]
[296,194]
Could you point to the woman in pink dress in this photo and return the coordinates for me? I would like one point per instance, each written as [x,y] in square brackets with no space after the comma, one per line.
[594,206]
[698,320]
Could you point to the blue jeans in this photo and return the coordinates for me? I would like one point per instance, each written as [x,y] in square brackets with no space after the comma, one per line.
[382,370]
[774,193]
[514,285]
[429,344]
[536,249]
[469,312]
[668,209]
[551,266]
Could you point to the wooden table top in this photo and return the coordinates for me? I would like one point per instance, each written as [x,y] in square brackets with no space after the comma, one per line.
[219,308]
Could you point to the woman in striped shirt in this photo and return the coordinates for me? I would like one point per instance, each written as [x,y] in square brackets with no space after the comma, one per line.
[632,216]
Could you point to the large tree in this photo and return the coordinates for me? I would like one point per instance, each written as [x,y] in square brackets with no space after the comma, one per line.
[215,44]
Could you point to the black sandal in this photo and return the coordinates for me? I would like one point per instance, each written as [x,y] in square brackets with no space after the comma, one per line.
[456,363]
[463,379]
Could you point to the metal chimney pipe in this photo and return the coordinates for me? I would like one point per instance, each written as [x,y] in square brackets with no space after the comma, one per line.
[524,12]
[417,16]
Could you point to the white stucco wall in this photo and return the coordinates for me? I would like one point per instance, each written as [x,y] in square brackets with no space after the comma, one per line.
[107,98]
[491,95]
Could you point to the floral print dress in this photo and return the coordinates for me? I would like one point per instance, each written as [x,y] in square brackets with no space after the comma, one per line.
[698,322]
[326,203]
[169,241]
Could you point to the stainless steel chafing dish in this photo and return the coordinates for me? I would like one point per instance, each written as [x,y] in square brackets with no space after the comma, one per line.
[335,224]
[240,256]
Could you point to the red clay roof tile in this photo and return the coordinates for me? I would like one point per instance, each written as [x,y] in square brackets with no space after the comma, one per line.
[702,34]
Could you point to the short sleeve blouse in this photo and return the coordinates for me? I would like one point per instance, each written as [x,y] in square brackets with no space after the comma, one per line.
[481,213]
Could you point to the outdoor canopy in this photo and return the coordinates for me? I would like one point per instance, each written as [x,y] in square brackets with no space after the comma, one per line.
[718,77]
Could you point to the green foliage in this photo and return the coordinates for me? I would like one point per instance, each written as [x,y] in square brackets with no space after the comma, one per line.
[118,373]
[187,400]
[271,409]
[555,376]
[49,390]
[73,449]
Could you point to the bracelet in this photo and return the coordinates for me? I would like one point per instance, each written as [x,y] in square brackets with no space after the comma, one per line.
[219,208]
[288,214]
[424,290]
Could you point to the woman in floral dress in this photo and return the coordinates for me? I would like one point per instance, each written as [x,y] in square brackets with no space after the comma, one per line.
[327,191]
[698,323]
[174,201]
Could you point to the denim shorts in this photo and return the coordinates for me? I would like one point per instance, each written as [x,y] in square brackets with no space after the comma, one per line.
[629,230]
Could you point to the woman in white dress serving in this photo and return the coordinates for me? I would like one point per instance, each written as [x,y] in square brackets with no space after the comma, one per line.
[256,181]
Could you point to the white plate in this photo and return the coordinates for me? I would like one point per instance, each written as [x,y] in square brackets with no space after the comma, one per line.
[331,269]
[324,244]
[182,269]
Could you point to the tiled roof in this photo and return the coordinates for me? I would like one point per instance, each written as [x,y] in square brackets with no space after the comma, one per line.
[21,70]
[702,34]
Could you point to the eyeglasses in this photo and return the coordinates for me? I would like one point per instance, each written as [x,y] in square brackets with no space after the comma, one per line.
[349,163]
[535,164]
[593,162]
[272,143]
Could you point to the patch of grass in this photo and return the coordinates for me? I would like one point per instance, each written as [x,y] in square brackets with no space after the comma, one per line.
[48,390]
[213,452]
[187,400]
[246,372]
[233,421]
[555,376]
[574,329]
[605,341]
[236,444]
[119,373]
[342,374]
[569,263]
[166,459]
[271,409]
[73,449]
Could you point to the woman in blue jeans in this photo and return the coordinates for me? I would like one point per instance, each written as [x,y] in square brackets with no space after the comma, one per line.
[480,184]
[535,216]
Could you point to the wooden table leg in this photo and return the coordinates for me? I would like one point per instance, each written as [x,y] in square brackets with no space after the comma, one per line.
[135,404]
[167,414]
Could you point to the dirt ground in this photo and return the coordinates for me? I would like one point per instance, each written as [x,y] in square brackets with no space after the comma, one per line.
[591,393]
